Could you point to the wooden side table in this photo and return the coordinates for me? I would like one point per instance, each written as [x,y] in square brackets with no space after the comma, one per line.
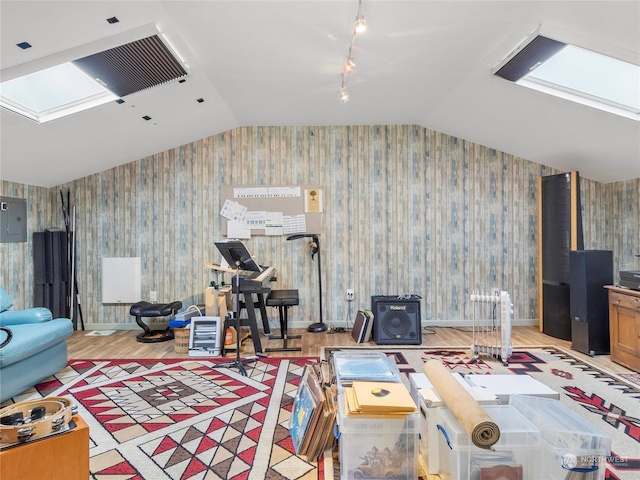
[63,456]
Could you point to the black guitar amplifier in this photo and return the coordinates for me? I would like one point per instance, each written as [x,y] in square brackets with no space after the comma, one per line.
[396,320]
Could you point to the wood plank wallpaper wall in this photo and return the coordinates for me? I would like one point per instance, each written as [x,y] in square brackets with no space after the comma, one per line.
[407,210]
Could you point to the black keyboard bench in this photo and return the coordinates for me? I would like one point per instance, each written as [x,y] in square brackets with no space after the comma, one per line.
[283,299]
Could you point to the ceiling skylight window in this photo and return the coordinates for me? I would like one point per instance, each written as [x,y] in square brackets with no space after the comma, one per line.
[90,75]
[575,73]
[52,93]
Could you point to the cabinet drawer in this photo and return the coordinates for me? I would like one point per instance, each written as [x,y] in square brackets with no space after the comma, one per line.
[627,301]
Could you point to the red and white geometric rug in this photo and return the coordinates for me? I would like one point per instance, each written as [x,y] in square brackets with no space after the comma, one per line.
[185,419]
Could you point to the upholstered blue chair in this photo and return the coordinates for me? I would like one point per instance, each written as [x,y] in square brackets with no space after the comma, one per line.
[33,346]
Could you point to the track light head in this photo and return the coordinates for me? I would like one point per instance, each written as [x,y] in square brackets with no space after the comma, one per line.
[343,95]
[349,65]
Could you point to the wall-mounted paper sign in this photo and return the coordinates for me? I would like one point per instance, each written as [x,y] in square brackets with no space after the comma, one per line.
[238,230]
[313,200]
[233,210]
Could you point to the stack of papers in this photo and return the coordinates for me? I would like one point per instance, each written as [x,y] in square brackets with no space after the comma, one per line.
[378,398]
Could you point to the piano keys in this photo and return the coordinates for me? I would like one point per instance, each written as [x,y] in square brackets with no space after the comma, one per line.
[250,281]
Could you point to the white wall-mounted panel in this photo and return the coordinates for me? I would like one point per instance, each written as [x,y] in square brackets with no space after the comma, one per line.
[121,280]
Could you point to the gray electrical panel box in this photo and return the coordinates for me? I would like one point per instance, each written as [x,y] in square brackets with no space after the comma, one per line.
[13,220]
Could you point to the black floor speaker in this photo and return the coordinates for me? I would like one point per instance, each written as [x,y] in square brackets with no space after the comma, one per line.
[590,270]
[396,320]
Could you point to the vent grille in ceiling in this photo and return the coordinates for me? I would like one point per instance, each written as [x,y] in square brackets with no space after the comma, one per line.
[133,67]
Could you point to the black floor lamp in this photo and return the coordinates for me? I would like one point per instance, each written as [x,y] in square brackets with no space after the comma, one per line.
[315,248]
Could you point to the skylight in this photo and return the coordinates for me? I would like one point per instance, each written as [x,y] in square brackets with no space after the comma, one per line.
[574,73]
[90,75]
[53,92]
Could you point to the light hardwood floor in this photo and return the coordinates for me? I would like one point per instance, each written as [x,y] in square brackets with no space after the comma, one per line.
[123,344]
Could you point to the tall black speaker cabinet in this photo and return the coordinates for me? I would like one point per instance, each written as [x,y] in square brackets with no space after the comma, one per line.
[590,271]
[559,232]
[51,272]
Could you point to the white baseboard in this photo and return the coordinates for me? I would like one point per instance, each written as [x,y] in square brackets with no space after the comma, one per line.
[524,322]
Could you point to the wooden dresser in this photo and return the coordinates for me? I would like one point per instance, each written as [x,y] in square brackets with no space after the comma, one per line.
[624,325]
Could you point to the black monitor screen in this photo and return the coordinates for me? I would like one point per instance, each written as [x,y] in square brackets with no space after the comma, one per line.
[237,256]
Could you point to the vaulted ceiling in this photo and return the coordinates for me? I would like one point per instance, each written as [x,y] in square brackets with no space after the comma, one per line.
[280,63]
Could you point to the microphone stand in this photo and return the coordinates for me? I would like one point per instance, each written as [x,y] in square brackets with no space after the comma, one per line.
[238,362]
[319,326]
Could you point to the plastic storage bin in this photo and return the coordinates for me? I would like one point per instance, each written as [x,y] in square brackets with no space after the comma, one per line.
[377,446]
[429,405]
[569,442]
[515,456]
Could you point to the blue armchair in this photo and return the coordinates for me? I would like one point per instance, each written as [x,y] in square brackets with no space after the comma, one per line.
[34,346]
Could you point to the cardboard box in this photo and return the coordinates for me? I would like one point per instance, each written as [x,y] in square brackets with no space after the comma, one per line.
[217,301]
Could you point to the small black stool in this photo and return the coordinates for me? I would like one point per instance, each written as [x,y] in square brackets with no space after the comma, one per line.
[283,299]
[146,309]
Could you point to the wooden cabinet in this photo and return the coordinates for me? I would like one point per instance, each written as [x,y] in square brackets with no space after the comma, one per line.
[624,323]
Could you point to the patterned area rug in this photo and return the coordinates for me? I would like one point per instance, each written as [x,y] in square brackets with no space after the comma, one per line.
[184,419]
[608,401]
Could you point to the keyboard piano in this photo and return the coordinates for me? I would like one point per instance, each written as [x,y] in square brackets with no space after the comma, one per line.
[251,281]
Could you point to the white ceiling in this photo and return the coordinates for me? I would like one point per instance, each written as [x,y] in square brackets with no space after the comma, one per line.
[279,63]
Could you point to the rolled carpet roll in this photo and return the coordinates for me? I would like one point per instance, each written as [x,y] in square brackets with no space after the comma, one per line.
[482,430]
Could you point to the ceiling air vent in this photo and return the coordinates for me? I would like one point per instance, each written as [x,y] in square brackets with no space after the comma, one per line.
[133,67]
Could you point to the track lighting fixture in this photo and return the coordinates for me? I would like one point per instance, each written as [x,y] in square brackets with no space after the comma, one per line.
[350,65]
[343,95]
[361,24]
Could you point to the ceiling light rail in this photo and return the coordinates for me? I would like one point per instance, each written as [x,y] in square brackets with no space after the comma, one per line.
[349,66]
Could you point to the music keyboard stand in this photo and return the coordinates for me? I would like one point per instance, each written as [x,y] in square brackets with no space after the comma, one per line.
[250,305]
[238,363]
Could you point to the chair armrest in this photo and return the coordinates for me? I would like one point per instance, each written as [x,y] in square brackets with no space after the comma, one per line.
[29,315]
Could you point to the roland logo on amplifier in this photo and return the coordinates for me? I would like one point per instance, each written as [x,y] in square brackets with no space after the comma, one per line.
[397,307]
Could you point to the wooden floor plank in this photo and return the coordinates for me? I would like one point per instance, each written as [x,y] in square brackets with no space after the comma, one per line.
[123,344]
